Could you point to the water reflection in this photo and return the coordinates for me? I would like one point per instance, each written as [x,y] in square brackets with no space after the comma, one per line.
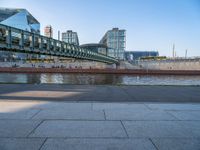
[161,80]
[51,78]
[95,79]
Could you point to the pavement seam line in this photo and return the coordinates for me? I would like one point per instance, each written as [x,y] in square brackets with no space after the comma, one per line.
[167,111]
[35,128]
[146,105]
[92,106]
[124,128]
[35,114]
[104,113]
[126,93]
[153,144]
[43,143]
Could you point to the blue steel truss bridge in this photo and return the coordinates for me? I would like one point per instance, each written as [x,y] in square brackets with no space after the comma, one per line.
[17,40]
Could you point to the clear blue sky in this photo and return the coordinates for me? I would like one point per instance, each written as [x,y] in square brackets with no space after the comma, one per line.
[150,24]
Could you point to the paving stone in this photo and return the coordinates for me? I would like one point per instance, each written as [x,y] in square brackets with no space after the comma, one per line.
[118,106]
[98,144]
[148,129]
[78,114]
[163,93]
[192,126]
[20,143]
[103,93]
[16,128]
[65,106]
[62,128]
[177,143]
[37,94]
[135,114]
[18,105]
[19,114]
[186,115]
[100,93]
[175,106]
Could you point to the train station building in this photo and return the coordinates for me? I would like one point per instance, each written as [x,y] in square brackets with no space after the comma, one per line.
[21,19]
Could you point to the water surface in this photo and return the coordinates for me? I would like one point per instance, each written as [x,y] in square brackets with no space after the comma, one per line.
[98,79]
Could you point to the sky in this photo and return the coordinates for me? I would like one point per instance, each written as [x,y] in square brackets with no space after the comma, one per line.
[149,24]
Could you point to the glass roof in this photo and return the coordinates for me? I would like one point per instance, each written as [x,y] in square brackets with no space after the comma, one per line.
[5,13]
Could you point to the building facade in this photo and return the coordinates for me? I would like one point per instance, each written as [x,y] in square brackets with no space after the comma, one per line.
[95,47]
[21,19]
[70,37]
[136,55]
[48,31]
[115,40]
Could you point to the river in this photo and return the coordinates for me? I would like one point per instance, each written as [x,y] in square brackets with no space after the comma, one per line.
[98,79]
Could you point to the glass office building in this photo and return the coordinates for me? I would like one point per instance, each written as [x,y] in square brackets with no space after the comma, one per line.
[21,19]
[95,47]
[70,37]
[115,40]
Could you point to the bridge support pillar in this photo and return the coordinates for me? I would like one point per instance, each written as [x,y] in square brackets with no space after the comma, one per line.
[9,37]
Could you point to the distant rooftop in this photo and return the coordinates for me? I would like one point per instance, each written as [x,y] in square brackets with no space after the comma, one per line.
[93,45]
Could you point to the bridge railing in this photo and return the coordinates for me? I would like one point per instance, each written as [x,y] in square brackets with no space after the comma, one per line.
[17,40]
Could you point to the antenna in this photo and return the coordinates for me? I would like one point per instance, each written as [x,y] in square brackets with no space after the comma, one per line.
[173,52]
[58,35]
[186,53]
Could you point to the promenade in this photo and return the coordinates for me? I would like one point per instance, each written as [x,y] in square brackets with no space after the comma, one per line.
[84,117]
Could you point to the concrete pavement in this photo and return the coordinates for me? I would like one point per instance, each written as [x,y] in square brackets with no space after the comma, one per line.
[83,117]
[43,125]
[99,93]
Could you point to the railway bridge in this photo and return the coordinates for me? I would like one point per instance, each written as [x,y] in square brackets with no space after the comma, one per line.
[17,40]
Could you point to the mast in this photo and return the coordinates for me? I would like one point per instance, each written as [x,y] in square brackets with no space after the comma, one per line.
[186,53]
[173,52]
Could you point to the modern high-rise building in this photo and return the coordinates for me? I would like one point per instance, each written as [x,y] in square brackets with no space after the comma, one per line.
[48,31]
[70,37]
[115,40]
[96,47]
[21,19]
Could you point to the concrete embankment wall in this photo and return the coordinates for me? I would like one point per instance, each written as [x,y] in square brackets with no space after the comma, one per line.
[127,65]
[100,71]
[72,65]
[170,64]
